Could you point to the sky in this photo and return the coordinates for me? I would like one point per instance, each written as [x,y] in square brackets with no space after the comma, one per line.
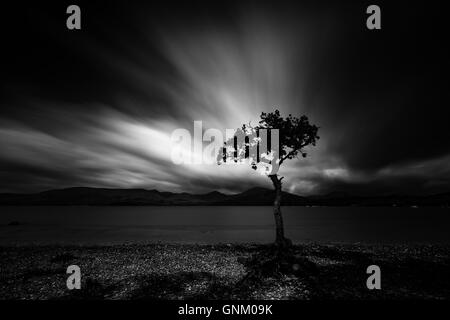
[96,107]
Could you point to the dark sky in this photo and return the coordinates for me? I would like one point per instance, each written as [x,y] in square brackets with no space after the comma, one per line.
[96,107]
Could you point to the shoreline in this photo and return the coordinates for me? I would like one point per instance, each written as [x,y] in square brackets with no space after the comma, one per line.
[315,271]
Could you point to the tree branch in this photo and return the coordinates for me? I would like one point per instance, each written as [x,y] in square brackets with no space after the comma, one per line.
[285,157]
[290,153]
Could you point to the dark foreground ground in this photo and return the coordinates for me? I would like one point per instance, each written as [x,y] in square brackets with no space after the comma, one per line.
[163,271]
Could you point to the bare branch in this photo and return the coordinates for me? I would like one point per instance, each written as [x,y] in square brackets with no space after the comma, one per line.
[286,157]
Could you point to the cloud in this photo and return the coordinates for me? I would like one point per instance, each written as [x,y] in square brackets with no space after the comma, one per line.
[98,109]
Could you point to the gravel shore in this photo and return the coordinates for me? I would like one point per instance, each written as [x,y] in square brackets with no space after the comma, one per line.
[174,271]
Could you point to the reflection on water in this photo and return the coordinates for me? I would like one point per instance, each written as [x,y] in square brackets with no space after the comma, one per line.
[98,225]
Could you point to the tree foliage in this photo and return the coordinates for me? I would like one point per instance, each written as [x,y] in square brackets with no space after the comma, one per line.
[295,133]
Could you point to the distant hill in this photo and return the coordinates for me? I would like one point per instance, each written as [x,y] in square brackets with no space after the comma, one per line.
[251,197]
[101,196]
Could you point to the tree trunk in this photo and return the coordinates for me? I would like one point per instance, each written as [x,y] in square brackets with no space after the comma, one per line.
[280,240]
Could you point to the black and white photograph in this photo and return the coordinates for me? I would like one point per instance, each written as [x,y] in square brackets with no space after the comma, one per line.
[199,151]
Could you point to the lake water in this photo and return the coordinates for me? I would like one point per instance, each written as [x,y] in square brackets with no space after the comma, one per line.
[101,225]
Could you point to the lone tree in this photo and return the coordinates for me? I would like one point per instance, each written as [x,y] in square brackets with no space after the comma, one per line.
[293,136]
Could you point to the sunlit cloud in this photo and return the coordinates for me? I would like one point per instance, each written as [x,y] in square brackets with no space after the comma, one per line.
[223,73]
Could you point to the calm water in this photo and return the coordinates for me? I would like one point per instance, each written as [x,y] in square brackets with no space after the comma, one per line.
[99,225]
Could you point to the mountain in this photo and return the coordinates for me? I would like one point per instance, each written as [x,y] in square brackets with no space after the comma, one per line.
[102,196]
[252,197]
[262,196]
